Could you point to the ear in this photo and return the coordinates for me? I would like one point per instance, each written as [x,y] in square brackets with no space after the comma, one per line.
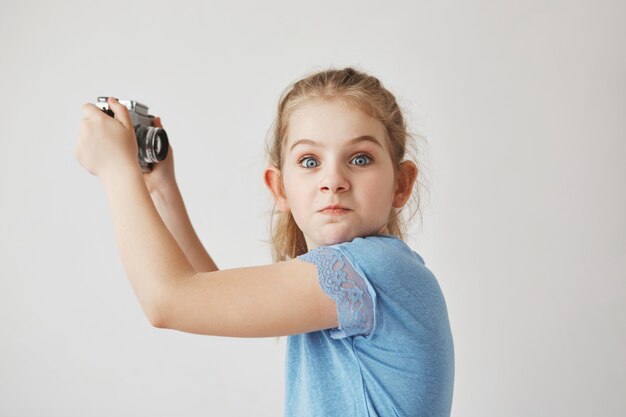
[404,183]
[274,183]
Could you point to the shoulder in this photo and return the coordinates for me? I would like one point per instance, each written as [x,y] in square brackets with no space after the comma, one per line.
[388,263]
[379,249]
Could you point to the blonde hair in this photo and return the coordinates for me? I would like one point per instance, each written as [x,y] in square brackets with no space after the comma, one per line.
[365,93]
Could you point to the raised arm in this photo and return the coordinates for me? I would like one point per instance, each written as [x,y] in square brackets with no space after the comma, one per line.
[163,188]
[278,299]
[271,300]
[170,206]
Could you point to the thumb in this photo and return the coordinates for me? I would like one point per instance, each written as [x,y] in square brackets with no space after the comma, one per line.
[121,112]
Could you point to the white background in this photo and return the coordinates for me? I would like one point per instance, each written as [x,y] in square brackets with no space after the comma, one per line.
[522,105]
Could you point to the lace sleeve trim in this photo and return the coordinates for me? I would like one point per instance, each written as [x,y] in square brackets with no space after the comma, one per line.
[339,279]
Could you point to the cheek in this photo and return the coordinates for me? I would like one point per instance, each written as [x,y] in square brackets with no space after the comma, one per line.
[380,191]
[295,191]
[289,185]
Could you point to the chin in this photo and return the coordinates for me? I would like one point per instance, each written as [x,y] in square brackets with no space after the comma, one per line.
[332,237]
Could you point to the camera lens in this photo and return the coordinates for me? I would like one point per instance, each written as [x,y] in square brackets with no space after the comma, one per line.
[152,143]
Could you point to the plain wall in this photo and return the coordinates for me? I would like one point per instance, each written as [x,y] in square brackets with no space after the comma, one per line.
[522,108]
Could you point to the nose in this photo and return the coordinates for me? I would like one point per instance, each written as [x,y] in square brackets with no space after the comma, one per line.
[334,179]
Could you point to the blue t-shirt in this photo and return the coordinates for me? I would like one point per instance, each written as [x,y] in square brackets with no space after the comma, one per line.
[392,354]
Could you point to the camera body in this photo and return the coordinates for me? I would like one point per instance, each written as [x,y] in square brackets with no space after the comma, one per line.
[152,142]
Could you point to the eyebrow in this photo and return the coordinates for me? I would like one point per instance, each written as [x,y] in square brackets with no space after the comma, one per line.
[364,138]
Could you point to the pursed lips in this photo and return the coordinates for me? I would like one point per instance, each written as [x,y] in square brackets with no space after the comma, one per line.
[334,210]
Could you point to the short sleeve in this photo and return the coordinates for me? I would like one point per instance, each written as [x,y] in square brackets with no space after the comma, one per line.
[338,278]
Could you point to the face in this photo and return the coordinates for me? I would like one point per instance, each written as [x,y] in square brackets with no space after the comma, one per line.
[336,156]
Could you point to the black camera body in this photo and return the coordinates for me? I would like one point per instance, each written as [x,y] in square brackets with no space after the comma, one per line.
[152,142]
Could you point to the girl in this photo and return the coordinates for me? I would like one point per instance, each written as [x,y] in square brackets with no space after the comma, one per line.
[367,322]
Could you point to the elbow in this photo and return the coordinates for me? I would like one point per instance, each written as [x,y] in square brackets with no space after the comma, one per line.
[164,303]
[156,320]
[156,316]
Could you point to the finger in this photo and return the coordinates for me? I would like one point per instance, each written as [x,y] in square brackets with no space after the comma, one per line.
[157,122]
[90,110]
[121,112]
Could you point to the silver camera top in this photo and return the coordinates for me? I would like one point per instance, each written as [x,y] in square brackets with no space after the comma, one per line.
[138,112]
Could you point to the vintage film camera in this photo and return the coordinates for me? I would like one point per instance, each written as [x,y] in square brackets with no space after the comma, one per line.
[152,141]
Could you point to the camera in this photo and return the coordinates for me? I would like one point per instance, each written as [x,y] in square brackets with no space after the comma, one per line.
[152,142]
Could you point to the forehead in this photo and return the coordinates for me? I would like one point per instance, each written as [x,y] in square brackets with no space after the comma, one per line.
[331,122]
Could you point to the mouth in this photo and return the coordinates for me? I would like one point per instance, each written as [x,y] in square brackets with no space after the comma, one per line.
[335,210]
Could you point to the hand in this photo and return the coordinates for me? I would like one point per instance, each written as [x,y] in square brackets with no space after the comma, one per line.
[106,143]
[162,173]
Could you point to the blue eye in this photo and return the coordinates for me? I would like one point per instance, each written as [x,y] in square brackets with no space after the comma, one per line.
[309,162]
[362,160]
